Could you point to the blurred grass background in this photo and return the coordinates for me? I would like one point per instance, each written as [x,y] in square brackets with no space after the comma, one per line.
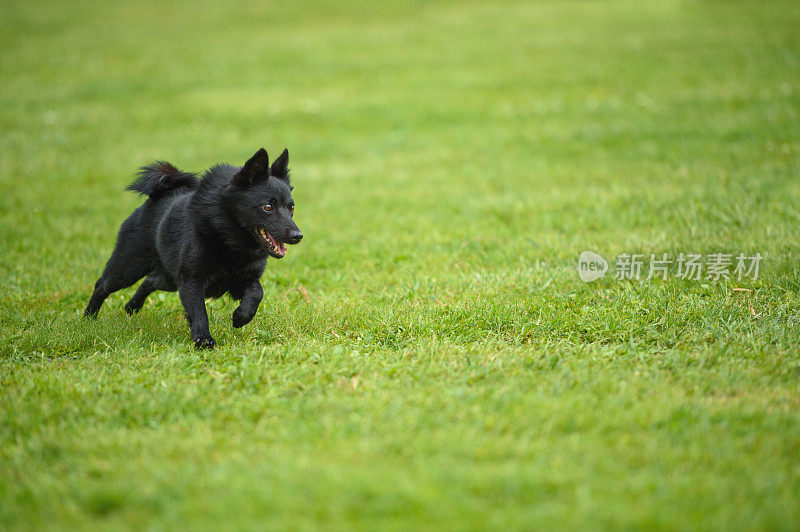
[451,160]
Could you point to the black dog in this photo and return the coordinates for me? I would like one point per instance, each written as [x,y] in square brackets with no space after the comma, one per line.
[203,237]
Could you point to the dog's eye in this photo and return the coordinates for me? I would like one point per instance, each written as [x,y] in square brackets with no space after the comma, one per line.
[291,209]
[266,208]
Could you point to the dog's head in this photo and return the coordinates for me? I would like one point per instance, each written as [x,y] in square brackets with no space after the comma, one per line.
[261,201]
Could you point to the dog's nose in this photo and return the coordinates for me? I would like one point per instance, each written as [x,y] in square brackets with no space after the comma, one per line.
[295,237]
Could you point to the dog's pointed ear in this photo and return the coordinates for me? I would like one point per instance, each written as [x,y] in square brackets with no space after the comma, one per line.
[255,168]
[280,168]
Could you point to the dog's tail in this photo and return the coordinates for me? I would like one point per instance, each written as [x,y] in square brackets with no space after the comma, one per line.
[160,177]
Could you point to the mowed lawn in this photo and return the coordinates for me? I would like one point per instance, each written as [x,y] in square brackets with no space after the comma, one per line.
[449,368]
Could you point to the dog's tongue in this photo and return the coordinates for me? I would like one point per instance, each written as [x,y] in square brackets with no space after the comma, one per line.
[281,248]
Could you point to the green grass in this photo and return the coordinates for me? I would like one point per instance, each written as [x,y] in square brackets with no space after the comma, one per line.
[451,161]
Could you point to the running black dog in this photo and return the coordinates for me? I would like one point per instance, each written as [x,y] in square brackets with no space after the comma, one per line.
[203,237]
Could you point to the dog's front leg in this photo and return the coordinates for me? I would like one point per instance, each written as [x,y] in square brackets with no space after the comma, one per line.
[249,305]
[192,293]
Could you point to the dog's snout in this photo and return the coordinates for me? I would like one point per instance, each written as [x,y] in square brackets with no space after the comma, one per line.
[295,237]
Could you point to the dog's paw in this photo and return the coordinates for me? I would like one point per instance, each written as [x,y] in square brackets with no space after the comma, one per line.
[204,342]
[240,319]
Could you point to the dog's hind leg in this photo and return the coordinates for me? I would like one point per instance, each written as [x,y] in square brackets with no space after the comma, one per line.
[148,286]
[122,271]
[133,258]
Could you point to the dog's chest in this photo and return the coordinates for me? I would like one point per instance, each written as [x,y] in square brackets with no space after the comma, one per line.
[232,277]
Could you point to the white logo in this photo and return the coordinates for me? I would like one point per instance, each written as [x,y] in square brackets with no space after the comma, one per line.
[591,266]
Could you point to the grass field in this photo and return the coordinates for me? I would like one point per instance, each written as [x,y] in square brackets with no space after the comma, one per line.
[450,369]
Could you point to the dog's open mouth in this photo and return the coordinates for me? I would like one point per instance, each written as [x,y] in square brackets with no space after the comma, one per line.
[275,248]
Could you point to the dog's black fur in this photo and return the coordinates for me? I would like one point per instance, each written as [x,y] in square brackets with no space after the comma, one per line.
[203,237]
